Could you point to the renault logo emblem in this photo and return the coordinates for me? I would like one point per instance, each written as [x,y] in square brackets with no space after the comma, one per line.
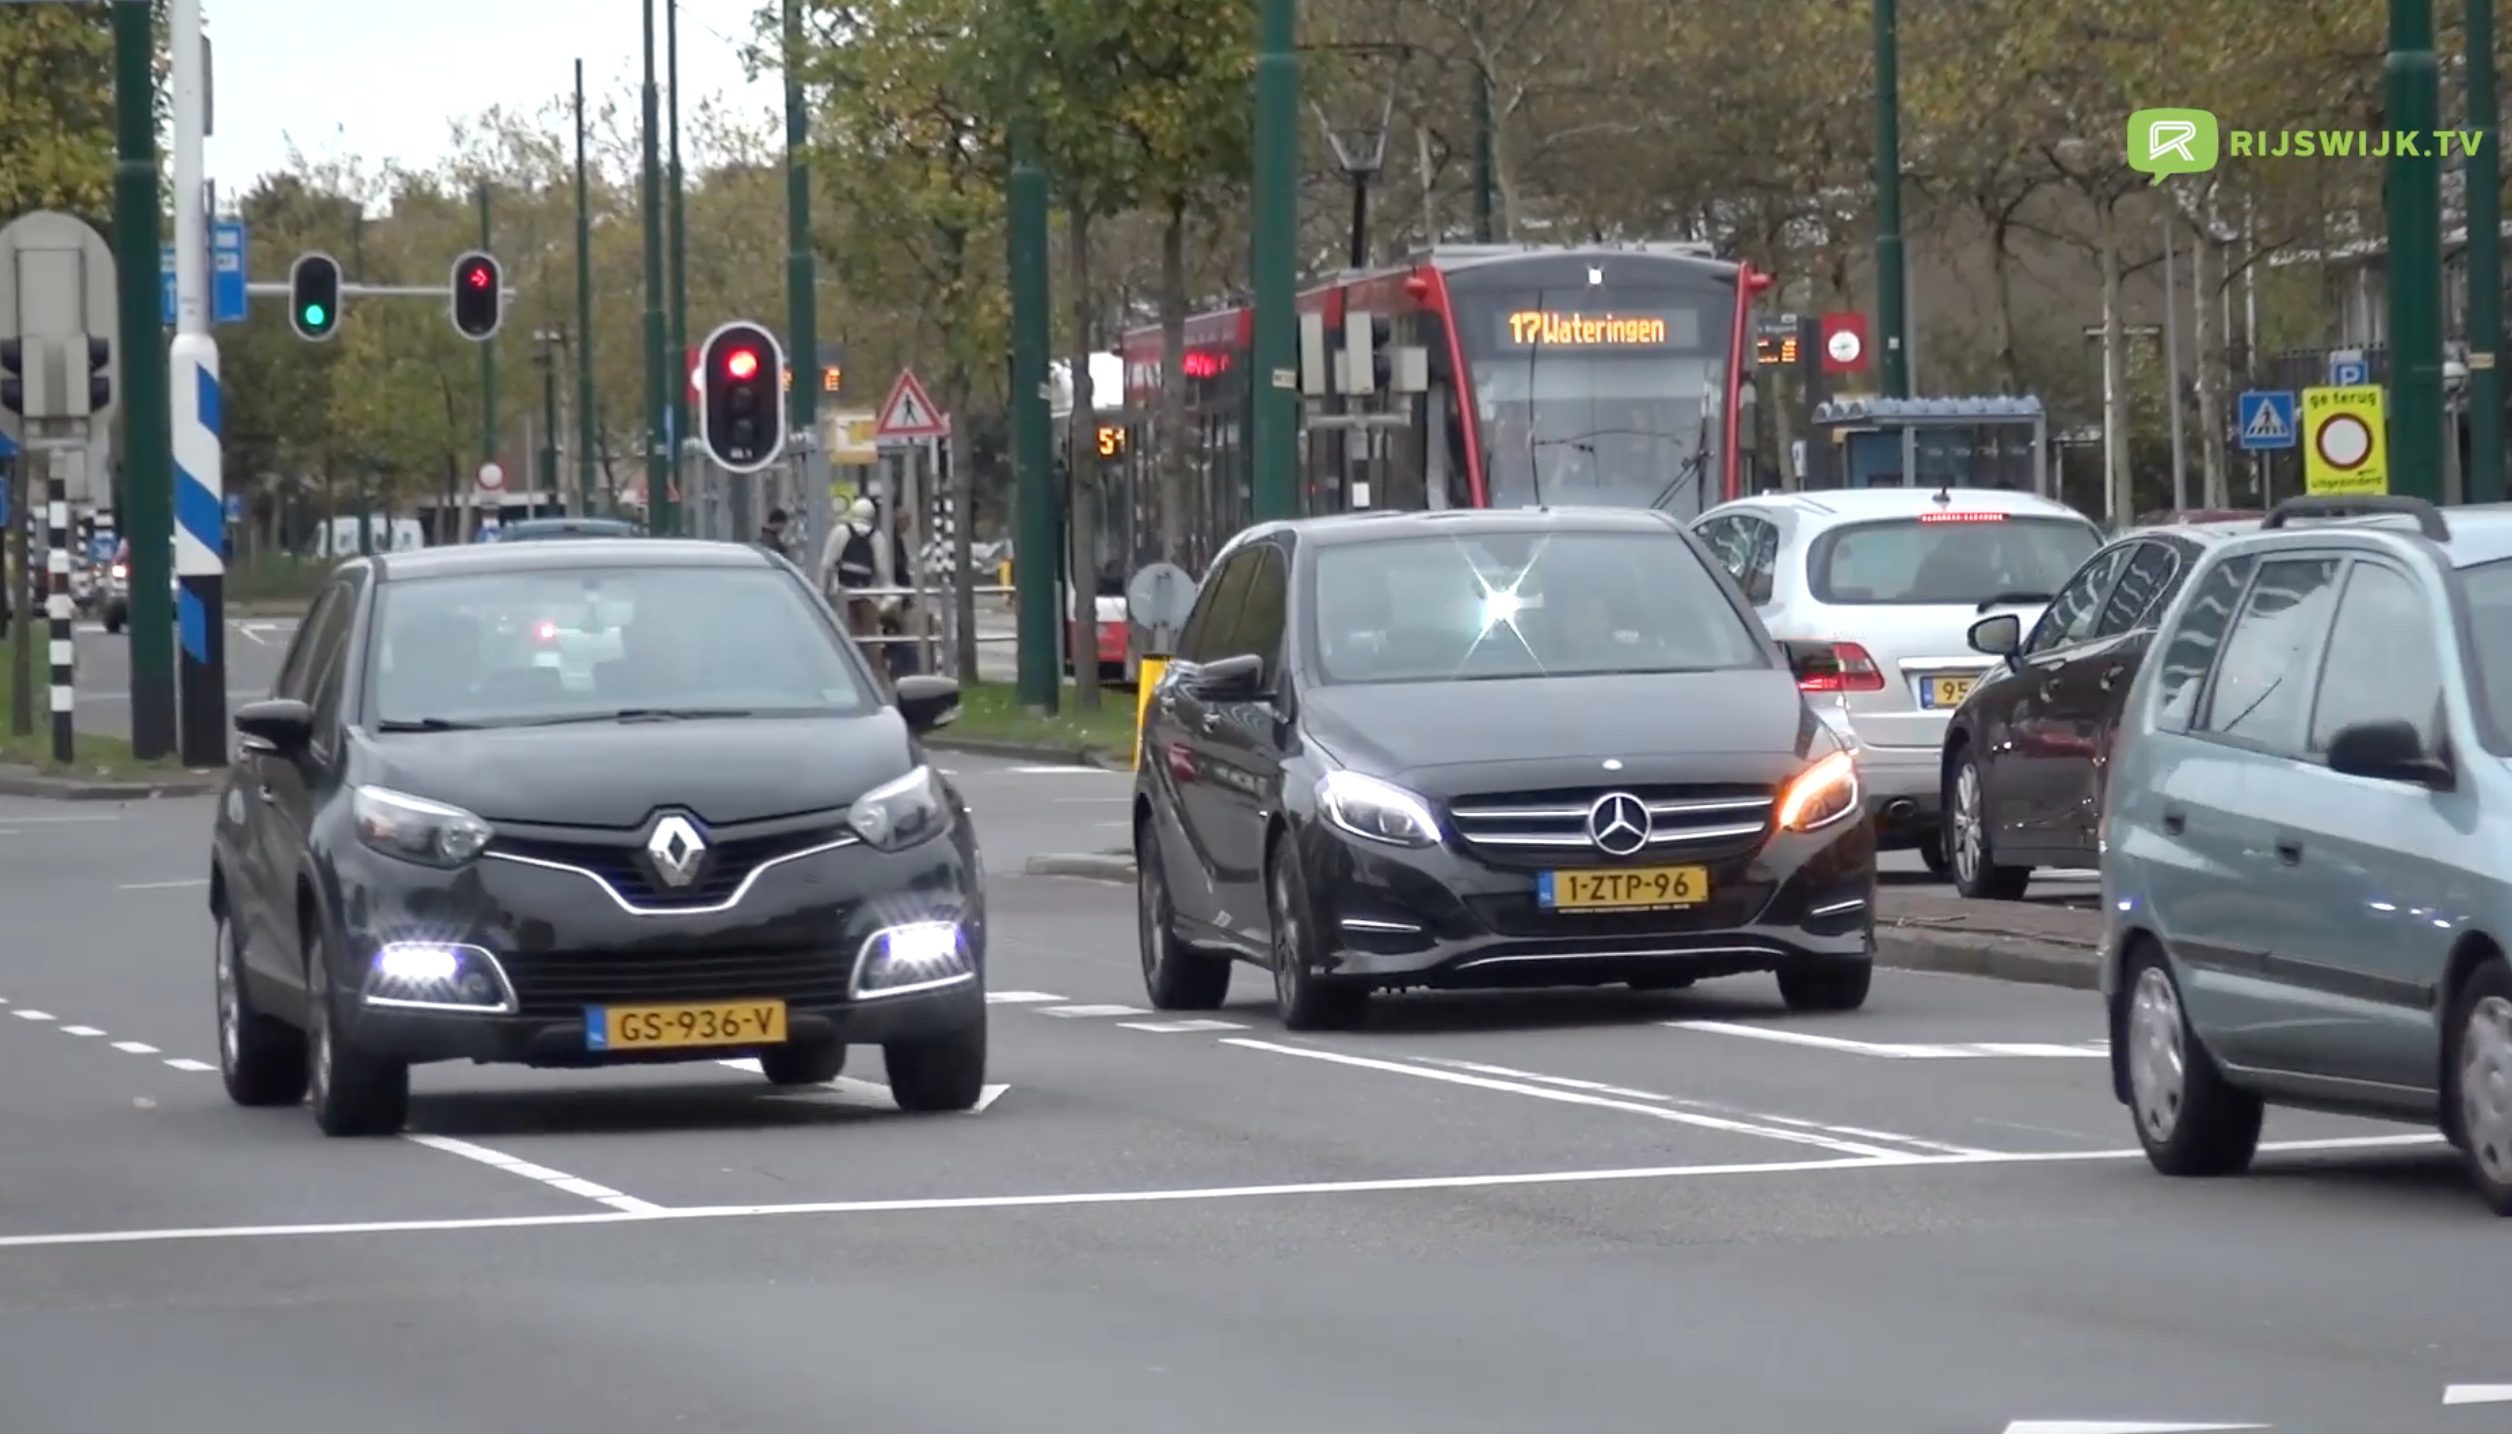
[1618,824]
[677,850]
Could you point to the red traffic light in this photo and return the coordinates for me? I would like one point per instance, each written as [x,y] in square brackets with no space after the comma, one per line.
[743,364]
[477,277]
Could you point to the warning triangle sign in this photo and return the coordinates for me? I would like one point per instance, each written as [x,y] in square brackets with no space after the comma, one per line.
[908,412]
[2267,423]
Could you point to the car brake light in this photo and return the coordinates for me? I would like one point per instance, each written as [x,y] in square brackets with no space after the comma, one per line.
[120,571]
[1857,672]
[545,633]
[1962,517]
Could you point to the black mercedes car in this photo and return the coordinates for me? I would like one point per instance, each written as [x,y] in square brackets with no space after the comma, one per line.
[2027,755]
[1479,748]
[581,804]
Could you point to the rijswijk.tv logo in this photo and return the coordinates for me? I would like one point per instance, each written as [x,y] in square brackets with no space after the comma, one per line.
[2165,142]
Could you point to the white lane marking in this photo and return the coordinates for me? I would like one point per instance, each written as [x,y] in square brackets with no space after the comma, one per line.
[136,1048]
[870,1094]
[1136,1197]
[167,885]
[555,1179]
[2117,1426]
[18,821]
[1020,998]
[1074,1011]
[194,1066]
[1171,1028]
[80,1031]
[1088,801]
[1654,1112]
[1951,1051]
[2478,1394]
[32,1015]
[1063,772]
[1933,1147]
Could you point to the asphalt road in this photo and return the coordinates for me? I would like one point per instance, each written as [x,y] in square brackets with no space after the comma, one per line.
[102,674]
[1479,1215]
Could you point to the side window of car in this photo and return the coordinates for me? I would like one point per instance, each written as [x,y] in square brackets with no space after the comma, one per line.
[331,667]
[1208,626]
[1264,612]
[2262,684]
[2191,652]
[2070,615]
[1726,541]
[1762,557]
[2381,665]
[2148,573]
[297,671]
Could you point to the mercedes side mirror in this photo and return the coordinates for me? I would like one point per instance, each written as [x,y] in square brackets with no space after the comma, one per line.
[1999,636]
[282,726]
[928,702]
[2388,752]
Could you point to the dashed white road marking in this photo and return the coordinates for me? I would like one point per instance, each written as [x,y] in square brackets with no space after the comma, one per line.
[2478,1394]
[80,1031]
[31,1015]
[867,1093]
[555,1179]
[187,885]
[2118,1426]
[1171,1028]
[1071,1012]
[1850,1132]
[1064,772]
[137,1048]
[1020,998]
[1948,1051]
[1784,1134]
[194,1066]
[938,1204]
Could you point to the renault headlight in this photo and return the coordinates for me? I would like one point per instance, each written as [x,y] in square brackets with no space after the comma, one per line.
[1376,811]
[416,829]
[902,813]
[1820,795]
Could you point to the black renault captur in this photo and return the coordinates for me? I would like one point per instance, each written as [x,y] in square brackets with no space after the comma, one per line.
[1491,749]
[579,804]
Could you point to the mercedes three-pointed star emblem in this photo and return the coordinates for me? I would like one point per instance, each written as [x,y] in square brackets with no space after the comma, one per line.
[676,849]
[1618,824]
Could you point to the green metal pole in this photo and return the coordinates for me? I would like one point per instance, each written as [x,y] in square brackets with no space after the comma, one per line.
[661,517]
[1037,559]
[2483,168]
[802,296]
[488,354]
[147,421]
[1890,291]
[1273,260]
[549,424]
[585,458]
[2414,182]
[678,217]
[1486,175]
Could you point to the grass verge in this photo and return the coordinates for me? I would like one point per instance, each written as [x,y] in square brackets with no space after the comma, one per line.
[95,756]
[989,710]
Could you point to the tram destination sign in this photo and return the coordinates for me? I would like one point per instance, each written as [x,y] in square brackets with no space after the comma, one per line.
[1602,329]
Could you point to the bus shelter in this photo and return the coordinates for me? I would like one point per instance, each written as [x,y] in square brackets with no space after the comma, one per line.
[1994,442]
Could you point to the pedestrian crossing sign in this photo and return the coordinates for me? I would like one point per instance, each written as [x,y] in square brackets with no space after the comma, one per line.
[2265,420]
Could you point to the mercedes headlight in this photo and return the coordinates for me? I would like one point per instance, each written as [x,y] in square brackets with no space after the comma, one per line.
[902,813]
[1376,811]
[416,829]
[1820,795]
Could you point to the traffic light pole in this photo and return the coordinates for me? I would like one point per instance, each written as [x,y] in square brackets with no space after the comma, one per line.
[2483,168]
[147,500]
[660,519]
[488,355]
[586,459]
[2415,257]
[200,508]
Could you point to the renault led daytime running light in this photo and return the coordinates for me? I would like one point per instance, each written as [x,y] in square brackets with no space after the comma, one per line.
[920,956]
[896,815]
[1820,795]
[416,829]
[1376,811]
[437,976]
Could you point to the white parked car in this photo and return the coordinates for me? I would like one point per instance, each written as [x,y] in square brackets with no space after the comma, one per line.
[1894,578]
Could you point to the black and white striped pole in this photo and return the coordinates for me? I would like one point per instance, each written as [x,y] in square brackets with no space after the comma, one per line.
[57,603]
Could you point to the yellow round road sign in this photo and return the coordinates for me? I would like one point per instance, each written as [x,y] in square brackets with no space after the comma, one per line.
[2344,454]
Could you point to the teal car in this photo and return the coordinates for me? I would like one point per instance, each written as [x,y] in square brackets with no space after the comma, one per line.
[2306,890]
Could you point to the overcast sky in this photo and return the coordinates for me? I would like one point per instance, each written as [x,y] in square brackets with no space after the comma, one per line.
[386,81]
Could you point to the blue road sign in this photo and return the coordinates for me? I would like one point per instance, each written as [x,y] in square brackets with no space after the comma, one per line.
[8,446]
[2347,369]
[235,507]
[2266,419]
[226,275]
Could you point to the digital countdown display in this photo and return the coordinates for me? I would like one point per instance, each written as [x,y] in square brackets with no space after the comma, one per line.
[1781,350]
[1610,329]
[1111,441]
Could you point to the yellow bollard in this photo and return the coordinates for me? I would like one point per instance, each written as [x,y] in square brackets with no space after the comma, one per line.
[1146,677]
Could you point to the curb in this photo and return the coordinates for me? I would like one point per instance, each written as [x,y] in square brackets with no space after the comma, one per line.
[2020,959]
[27,782]
[1039,752]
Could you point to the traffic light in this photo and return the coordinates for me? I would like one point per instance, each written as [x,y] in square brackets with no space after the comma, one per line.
[99,375]
[479,296]
[740,398]
[314,296]
[13,376]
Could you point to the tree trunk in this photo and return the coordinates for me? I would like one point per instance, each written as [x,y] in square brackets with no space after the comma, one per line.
[956,386]
[2209,371]
[1176,485]
[1082,461]
[2002,298]
[2118,502]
